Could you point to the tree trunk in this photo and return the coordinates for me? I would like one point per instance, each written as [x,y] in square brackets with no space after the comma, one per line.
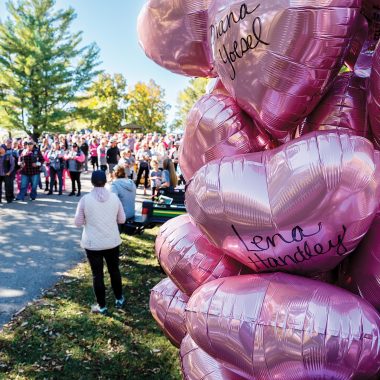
[35,136]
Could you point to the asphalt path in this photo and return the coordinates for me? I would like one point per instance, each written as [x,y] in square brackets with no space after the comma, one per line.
[39,243]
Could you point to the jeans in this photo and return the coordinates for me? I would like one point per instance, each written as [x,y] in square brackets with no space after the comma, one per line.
[111,167]
[95,258]
[25,180]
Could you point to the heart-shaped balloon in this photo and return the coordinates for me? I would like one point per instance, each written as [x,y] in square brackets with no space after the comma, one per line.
[167,305]
[217,127]
[279,326]
[277,58]
[360,35]
[361,271]
[363,65]
[374,98]
[188,258]
[300,208]
[173,33]
[343,108]
[196,364]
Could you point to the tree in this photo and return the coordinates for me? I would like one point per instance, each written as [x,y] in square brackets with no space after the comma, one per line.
[187,98]
[43,69]
[101,108]
[147,107]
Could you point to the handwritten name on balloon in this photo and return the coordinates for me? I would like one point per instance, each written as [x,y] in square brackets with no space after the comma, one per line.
[304,251]
[239,48]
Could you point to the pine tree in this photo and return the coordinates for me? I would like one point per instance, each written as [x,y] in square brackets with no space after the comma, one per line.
[44,70]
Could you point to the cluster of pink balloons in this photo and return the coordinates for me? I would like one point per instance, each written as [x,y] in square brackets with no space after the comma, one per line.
[274,273]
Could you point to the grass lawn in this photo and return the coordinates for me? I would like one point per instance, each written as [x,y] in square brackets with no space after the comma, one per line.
[58,338]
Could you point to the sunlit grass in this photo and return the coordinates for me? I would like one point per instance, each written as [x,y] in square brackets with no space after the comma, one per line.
[58,338]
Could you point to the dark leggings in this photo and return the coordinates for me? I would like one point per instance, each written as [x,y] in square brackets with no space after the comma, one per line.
[75,177]
[94,162]
[8,184]
[143,169]
[95,258]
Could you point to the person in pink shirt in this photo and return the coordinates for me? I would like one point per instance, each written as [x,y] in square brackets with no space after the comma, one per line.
[94,154]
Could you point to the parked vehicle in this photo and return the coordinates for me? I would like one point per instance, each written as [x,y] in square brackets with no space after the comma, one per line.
[154,213]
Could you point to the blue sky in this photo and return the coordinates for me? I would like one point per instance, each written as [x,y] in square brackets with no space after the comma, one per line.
[112,25]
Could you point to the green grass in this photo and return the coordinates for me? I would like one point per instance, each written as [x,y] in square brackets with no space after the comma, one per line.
[58,338]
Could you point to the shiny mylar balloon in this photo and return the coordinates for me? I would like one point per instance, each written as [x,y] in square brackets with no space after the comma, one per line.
[361,271]
[216,127]
[277,58]
[343,108]
[300,208]
[167,305]
[197,365]
[374,98]
[363,65]
[188,258]
[173,33]
[371,10]
[360,35]
[281,327]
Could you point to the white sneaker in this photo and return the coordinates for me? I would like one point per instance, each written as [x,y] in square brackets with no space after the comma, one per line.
[96,309]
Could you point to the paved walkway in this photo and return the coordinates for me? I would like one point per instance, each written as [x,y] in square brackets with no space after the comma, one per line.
[39,243]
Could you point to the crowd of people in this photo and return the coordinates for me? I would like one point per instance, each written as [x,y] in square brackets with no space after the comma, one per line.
[127,159]
[119,163]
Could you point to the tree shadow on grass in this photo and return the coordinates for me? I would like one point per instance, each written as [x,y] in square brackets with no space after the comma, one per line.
[58,338]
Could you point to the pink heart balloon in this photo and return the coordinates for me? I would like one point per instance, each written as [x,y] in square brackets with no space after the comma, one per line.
[279,326]
[173,33]
[360,36]
[363,65]
[300,208]
[167,305]
[188,258]
[278,57]
[196,364]
[361,271]
[216,127]
[343,108]
[374,98]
